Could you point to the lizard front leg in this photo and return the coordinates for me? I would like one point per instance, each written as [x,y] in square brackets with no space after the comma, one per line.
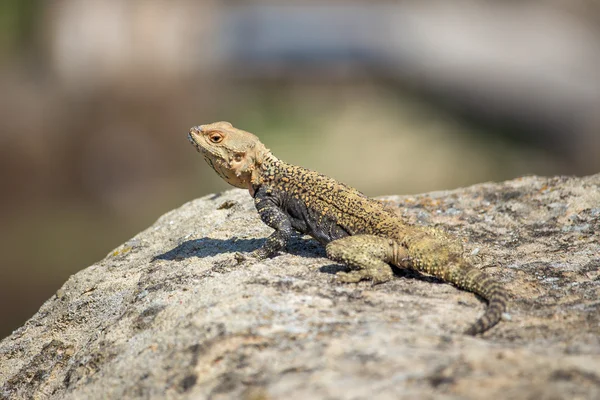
[368,257]
[272,215]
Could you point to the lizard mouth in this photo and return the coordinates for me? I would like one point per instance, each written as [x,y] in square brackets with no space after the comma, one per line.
[194,141]
[216,164]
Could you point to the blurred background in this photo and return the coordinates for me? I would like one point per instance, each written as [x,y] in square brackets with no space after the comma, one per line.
[392,97]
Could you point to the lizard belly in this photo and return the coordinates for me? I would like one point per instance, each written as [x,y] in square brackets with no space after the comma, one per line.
[311,222]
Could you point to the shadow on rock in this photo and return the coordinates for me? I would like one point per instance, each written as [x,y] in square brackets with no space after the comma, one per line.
[206,247]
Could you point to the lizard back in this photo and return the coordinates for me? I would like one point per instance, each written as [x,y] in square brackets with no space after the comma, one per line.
[318,204]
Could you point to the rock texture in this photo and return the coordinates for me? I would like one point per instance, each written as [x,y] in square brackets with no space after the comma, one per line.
[169,314]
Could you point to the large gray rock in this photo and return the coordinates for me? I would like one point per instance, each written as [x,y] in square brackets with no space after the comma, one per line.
[169,314]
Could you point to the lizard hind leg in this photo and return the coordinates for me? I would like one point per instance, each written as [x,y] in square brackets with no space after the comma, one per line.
[366,255]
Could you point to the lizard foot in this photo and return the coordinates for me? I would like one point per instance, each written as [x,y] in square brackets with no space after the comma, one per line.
[256,255]
[349,277]
[366,255]
[240,257]
[377,276]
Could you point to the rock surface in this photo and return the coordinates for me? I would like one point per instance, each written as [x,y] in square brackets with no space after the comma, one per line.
[169,314]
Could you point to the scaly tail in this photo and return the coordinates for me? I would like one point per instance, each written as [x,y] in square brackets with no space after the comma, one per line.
[466,277]
[434,253]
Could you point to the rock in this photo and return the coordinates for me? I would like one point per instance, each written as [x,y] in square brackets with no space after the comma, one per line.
[170,313]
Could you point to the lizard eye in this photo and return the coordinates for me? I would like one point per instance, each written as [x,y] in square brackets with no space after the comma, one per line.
[216,137]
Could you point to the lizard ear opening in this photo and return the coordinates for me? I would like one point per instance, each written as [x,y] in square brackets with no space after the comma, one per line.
[238,157]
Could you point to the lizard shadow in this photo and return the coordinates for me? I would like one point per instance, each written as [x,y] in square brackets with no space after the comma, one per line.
[207,247]
[298,246]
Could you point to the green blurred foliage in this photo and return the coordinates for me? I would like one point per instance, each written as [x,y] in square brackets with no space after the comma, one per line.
[17,18]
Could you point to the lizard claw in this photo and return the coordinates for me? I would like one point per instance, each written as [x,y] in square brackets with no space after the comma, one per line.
[361,275]
[240,257]
[378,279]
[256,255]
[259,254]
[349,277]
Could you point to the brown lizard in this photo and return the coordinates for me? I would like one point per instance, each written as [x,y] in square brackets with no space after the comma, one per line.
[358,231]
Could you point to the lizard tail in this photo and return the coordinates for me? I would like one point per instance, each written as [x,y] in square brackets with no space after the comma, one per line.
[432,252]
[474,280]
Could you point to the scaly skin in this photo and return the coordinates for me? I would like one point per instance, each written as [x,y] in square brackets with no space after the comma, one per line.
[357,231]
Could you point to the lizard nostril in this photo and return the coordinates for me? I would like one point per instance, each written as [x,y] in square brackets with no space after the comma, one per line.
[196,129]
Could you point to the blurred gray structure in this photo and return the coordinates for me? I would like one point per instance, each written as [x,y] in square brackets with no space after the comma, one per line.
[532,68]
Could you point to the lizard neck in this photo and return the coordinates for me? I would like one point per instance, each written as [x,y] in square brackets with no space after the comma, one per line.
[265,165]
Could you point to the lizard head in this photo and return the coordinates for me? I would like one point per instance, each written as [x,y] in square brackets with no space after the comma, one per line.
[235,155]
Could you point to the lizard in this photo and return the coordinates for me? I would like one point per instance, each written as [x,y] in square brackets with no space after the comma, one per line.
[360,232]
